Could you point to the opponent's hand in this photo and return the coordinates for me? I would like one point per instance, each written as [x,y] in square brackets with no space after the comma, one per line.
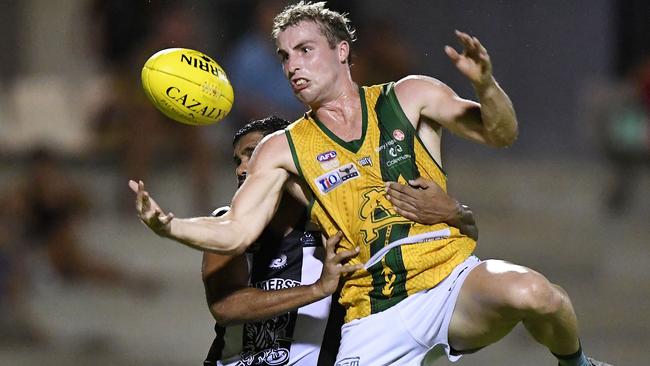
[474,62]
[423,201]
[149,212]
[334,266]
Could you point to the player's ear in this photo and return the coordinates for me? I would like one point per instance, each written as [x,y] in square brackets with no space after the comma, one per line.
[344,51]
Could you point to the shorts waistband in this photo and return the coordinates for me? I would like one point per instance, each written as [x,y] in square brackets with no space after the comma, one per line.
[419,238]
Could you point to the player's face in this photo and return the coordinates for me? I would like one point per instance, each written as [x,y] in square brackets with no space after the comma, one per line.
[309,63]
[242,154]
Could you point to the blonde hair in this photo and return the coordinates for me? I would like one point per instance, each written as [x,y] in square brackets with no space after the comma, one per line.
[334,25]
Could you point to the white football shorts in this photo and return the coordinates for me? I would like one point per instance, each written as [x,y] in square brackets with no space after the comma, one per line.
[412,332]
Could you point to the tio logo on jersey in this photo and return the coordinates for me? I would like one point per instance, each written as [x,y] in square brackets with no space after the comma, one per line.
[336,177]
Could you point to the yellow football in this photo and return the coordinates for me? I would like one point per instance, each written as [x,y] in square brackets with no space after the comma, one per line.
[187,86]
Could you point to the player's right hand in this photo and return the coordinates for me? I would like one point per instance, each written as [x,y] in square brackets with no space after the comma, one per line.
[149,212]
[335,265]
[474,62]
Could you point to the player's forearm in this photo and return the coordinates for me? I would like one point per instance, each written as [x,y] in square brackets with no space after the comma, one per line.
[252,304]
[464,221]
[497,114]
[461,217]
[211,234]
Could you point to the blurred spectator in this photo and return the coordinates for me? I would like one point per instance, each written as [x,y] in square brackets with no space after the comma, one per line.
[256,73]
[47,209]
[625,121]
[17,324]
[128,125]
[383,55]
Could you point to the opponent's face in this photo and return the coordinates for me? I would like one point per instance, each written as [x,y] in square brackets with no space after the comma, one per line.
[242,154]
[309,63]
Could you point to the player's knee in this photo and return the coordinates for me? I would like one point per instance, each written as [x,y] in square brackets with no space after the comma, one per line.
[533,295]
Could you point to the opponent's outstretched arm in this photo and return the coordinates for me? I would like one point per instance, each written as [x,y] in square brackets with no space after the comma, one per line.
[251,210]
[492,121]
[231,301]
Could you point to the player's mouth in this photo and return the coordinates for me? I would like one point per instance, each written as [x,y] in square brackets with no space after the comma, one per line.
[299,84]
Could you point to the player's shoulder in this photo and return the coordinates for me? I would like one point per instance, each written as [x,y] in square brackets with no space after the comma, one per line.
[421,89]
[419,83]
[273,143]
[273,152]
[297,124]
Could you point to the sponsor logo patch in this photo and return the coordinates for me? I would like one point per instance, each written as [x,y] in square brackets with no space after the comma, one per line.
[336,177]
[365,161]
[398,135]
[308,240]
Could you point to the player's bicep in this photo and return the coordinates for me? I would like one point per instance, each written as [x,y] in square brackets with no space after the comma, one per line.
[256,201]
[425,99]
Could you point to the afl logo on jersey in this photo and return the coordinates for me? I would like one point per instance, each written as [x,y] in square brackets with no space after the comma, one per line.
[328,160]
[398,135]
[326,156]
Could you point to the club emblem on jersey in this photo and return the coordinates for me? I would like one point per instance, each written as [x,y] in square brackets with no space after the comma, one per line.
[328,160]
[279,262]
[265,343]
[336,177]
[398,135]
[365,161]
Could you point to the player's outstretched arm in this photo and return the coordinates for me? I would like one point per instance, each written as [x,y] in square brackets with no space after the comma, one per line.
[252,207]
[425,202]
[231,301]
[492,121]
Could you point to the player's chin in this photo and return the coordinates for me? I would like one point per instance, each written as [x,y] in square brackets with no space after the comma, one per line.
[304,96]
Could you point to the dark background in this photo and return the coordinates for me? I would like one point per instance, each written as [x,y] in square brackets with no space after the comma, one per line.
[564,200]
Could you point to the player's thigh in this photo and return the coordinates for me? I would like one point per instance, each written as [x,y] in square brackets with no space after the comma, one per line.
[494,297]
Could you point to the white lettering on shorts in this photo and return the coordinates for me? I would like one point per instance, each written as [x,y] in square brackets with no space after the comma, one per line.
[349,361]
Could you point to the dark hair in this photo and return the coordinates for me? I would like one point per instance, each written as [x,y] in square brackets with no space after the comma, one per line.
[266,126]
[334,25]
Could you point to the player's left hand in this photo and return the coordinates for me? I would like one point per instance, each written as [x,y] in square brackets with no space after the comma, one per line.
[336,264]
[423,201]
[474,62]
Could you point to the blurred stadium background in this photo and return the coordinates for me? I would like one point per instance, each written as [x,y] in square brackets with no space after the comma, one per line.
[570,199]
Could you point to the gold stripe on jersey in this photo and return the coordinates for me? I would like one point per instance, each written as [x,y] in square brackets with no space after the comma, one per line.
[347,179]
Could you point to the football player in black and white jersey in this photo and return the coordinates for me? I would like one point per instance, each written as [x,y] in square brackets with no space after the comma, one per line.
[273,305]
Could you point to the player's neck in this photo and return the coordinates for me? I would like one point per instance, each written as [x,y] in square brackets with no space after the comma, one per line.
[342,112]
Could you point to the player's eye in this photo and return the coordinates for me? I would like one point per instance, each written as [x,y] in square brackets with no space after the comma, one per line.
[306,49]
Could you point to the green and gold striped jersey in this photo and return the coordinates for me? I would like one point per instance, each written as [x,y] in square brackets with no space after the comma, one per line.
[401,257]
